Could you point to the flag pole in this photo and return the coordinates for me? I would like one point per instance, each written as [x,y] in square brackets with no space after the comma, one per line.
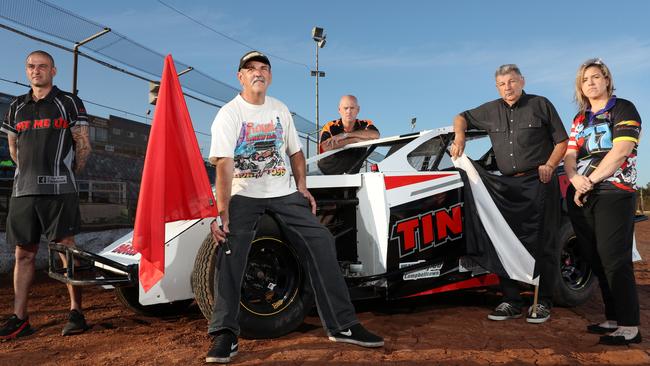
[534,313]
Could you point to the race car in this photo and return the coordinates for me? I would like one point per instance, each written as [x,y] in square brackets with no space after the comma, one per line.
[399,231]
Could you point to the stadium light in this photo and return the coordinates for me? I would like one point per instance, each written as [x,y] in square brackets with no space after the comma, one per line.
[318,35]
[154,88]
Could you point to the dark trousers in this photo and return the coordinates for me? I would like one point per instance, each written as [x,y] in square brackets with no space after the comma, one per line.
[313,240]
[604,227]
[546,252]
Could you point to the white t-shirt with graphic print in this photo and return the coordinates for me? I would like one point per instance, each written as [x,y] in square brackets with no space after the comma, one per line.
[260,139]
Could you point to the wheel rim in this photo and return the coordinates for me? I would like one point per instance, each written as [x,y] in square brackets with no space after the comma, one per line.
[272,278]
[574,269]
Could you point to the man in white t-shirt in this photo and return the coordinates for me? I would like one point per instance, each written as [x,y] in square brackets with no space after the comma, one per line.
[254,141]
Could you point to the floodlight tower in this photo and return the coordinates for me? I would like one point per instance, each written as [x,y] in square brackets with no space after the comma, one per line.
[318,35]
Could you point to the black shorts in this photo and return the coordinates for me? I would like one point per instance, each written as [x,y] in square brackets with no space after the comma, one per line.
[55,216]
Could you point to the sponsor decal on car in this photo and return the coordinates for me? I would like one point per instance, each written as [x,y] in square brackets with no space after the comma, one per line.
[125,248]
[421,232]
[427,272]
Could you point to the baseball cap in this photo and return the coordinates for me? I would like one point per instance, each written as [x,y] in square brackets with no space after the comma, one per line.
[253,56]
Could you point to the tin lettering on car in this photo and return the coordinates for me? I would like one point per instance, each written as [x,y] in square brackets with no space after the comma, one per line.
[428,230]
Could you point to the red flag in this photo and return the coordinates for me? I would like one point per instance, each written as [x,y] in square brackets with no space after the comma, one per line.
[174,183]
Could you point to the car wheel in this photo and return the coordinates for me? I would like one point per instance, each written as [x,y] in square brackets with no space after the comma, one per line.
[129,296]
[577,281]
[274,296]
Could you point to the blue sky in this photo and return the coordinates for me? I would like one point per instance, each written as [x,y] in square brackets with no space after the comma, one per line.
[424,59]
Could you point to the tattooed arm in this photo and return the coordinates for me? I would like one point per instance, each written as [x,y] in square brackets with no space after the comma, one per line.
[81,138]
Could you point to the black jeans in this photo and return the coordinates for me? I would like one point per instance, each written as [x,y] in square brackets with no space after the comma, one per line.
[604,227]
[304,231]
[546,252]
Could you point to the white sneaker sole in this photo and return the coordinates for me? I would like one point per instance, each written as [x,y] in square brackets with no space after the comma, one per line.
[358,343]
[537,320]
[503,317]
[220,359]
[74,331]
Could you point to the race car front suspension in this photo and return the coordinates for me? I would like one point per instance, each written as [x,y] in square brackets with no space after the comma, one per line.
[82,268]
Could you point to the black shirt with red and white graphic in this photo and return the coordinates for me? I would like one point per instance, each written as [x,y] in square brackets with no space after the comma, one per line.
[593,135]
[45,148]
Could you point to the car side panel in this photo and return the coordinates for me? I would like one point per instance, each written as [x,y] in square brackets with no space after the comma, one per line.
[372,224]
[425,226]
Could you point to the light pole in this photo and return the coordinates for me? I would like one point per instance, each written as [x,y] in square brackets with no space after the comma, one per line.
[318,35]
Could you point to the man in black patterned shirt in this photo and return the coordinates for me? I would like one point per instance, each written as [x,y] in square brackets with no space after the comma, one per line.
[47,131]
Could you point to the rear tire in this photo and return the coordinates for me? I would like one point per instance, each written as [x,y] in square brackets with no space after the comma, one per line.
[577,281]
[274,296]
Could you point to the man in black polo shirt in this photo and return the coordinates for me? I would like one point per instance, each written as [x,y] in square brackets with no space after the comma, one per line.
[529,140]
[344,131]
[47,131]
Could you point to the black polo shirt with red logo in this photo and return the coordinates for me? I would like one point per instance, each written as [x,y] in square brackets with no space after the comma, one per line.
[44,143]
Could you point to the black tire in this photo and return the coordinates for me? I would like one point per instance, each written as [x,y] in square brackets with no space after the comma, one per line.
[203,276]
[274,296]
[129,297]
[577,281]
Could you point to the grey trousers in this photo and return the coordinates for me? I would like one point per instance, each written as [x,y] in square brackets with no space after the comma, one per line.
[304,231]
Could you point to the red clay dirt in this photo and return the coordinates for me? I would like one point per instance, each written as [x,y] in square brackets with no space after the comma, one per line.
[449,329]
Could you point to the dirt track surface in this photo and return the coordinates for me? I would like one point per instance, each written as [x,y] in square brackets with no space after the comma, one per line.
[445,329]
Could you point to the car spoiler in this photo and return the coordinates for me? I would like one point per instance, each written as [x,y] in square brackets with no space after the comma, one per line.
[82,268]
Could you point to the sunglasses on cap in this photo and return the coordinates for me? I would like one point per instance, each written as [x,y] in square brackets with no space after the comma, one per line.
[593,61]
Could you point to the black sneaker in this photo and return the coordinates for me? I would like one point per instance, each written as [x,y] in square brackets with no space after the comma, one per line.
[14,328]
[505,311]
[76,324]
[358,335]
[599,329]
[621,337]
[542,314]
[224,346]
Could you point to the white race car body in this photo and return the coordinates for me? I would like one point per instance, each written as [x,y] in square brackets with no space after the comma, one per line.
[403,217]
[182,242]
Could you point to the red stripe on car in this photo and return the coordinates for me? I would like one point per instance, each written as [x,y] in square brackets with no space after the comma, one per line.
[397,181]
[483,281]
